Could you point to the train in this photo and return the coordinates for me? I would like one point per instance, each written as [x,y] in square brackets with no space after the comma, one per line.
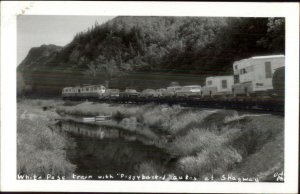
[256,82]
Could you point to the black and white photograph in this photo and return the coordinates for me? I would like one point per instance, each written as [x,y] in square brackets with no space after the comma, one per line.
[152,98]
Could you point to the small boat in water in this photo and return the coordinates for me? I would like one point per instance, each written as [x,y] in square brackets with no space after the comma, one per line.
[89,119]
[102,118]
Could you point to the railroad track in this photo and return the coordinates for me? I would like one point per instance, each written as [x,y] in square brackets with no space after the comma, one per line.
[261,105]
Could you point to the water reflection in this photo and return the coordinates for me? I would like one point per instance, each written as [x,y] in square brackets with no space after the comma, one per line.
[101,150]
[96,131]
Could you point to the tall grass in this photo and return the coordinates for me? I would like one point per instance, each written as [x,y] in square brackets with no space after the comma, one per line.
[150,168]
[210,161]
[195,141]
[41,103]
[40,151]
[254,147]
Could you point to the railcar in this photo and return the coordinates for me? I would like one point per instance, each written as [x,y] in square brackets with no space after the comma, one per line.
[188,91]
[110,94]
[160,92]
[171,91]
[253,76]
[148,93]
[83,92]
[69,93]
[92,91]
[129,93]
[218,86]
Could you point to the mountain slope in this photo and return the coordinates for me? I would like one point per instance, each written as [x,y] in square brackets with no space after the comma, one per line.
[40,55]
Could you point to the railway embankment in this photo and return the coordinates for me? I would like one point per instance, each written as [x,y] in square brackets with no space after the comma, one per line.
[214,143]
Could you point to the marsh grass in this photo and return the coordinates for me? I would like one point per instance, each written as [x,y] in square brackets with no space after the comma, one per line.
[210,161]
[40,150]
[195,141]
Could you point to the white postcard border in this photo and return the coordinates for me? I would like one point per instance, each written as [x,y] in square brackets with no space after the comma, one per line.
[9,12]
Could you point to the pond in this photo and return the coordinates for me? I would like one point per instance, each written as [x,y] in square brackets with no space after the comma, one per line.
[101,151]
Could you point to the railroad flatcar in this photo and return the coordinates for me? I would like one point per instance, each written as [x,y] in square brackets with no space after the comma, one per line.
[254,75]
[218,85]
[160,92]
[171,91]
[111,94]
[191,90]
[129,93]
[146,93]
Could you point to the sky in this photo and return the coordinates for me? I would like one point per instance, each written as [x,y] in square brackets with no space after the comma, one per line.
[34,31]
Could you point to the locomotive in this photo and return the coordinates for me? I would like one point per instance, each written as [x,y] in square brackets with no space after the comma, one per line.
[255,81]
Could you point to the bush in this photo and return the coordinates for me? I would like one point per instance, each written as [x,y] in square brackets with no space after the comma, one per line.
[195,141]
[187,120]
[118,116]
[210,161]
[253,134]
[150,168]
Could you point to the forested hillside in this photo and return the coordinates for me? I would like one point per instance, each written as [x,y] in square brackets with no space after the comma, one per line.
[151,52]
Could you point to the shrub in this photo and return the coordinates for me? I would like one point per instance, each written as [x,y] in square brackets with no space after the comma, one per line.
[154,118]
[150,168]
[253,134]
[195,141]
[187,120]
[118,116]
[213,160]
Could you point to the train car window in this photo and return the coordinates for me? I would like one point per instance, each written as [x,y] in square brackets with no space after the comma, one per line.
[224,83]
[209,82]
[243,71]
[236,78]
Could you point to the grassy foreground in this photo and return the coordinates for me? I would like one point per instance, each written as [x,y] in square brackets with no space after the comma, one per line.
[40,150]
[201,143]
